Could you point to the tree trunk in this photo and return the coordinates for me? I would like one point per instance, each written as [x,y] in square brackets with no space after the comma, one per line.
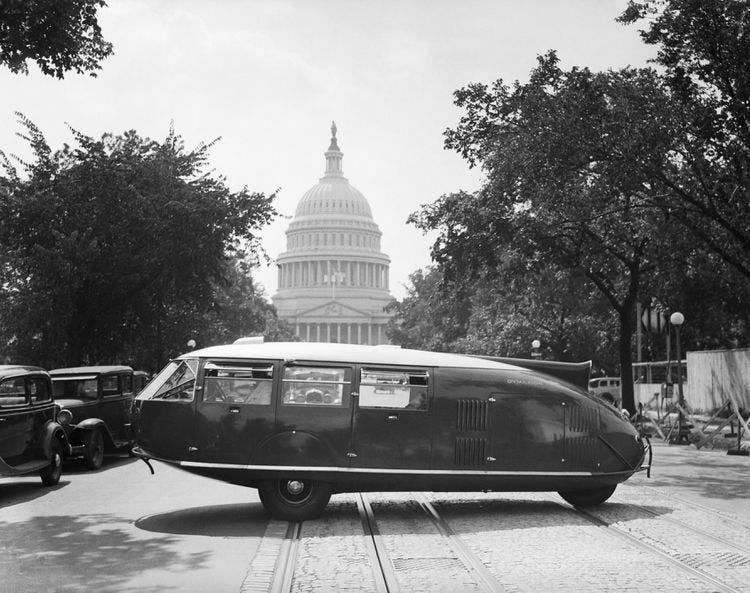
[627,323]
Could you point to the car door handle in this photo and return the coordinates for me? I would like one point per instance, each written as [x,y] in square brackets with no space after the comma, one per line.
[234,409]
[392,416]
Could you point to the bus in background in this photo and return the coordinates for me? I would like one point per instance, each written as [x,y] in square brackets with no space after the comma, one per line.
[607,389]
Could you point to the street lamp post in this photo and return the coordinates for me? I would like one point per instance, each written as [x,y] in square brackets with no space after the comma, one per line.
[191,344]
[536,353]
[677,319]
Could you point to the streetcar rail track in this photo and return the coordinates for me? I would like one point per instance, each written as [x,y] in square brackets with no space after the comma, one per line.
[729,517]
[387,570]
[637,542]
[696,530]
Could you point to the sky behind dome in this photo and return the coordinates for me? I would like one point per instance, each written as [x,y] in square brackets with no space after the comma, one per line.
[268,77]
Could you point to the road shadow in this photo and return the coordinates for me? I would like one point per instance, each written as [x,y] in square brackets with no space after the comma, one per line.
[24,489]
[229,520]
[92,552]
[77,466]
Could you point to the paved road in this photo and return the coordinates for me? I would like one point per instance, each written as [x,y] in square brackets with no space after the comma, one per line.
[122,530]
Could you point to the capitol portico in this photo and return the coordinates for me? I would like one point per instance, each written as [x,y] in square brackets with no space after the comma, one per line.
[333,278]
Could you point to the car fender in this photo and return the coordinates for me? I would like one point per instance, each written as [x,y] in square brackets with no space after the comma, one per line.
[52,431]
[84,426]
[295,448]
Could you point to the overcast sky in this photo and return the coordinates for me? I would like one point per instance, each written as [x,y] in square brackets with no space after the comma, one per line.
[268,77]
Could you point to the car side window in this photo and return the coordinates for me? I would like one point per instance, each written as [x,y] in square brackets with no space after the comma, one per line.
[127,383]
[394,389]
[250,383]
[110,385]
[39,390]
[315,386]
[13,392]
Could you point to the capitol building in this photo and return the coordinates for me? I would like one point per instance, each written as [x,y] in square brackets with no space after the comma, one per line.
[333,278]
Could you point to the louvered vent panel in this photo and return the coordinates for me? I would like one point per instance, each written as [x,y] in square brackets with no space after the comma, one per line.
[581,419]
[580,448]
[470,451]
[472,415]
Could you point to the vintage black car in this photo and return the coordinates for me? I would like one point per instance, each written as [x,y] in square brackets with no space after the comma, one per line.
[98,399]
[31,441]
[341,418]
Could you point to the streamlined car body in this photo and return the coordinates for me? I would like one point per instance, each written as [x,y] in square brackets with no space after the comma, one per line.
[300,421]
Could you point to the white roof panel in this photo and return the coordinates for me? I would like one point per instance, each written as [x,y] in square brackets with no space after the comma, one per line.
[347,353]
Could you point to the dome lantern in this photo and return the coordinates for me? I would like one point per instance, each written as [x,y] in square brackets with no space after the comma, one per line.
[334,156]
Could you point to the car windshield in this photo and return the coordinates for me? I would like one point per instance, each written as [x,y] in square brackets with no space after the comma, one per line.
[75,387]
[175,381]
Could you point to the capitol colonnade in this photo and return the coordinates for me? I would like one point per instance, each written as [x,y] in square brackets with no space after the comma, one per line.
[317,273]
[333,279]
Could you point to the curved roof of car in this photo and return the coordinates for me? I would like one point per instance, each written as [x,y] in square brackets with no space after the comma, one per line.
[347,353]
[12,370]
[98,370]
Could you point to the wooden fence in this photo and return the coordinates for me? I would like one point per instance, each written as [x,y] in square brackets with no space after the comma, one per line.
[715,376]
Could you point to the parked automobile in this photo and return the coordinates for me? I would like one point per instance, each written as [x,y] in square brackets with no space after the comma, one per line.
[140,380]
[31,440]
[98,399]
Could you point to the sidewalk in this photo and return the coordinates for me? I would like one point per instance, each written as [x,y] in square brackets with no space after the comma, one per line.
[705,476]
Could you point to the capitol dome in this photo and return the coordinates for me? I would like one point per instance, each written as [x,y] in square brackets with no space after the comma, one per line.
[333,195]
[333,278]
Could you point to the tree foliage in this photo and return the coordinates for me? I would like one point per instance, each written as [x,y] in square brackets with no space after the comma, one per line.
[565,185]
[503,310]
[112,248]
[704,48]
[59,35]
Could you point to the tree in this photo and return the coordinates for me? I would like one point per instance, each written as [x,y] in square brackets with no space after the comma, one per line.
[241,309]
[704,48]
[501,311]
[59,35]
[111,249]
[432,316]
[567,182]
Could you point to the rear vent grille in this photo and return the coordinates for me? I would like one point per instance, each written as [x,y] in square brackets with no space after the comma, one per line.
[472,415]
[581,419]
[470,451]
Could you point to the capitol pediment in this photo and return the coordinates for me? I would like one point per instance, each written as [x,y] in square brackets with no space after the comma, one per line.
[332,309]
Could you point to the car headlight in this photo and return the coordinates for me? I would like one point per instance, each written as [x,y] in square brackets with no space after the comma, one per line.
[64,417]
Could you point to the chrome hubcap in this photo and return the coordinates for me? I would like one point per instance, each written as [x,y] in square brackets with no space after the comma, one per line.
[295,486]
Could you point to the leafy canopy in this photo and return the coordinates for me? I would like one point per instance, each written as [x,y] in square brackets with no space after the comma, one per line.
[115,247]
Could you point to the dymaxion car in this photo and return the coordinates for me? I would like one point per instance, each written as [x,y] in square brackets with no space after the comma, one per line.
[300,421]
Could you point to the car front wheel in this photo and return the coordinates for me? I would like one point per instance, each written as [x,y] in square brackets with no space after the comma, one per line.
[93,453]
[51,474]
[291,499]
